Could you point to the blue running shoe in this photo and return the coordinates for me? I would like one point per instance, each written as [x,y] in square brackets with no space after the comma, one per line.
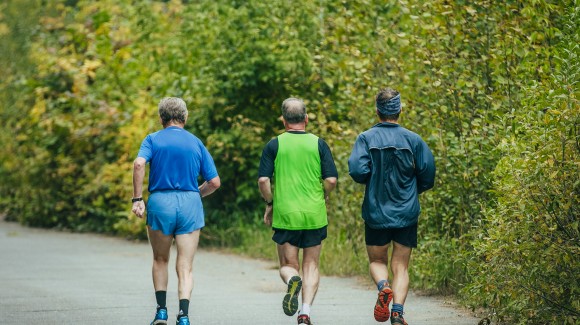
[160,317]
[183,320]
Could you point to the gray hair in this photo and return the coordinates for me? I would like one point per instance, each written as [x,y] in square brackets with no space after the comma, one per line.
[172,109]
[293,110]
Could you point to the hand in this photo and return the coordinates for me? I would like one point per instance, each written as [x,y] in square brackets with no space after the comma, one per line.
[138,208]
[268,215]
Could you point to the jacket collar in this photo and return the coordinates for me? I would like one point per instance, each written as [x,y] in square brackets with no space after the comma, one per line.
[385,125]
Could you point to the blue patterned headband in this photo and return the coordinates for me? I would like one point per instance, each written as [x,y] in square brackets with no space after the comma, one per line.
[391,106]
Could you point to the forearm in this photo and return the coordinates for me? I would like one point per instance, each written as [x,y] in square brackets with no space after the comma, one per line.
[138,177]
[208,187]
[329,185]
[359,162]
[425,172]
[265,188]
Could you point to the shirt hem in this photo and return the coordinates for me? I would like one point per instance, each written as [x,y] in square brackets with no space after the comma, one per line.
[300,228]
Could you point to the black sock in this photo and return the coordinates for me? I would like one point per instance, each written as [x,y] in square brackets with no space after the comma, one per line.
[183,307]
[161,297]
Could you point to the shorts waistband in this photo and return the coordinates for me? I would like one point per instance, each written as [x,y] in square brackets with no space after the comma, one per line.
[173,191]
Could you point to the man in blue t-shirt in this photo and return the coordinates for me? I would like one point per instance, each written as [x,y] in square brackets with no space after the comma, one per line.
[174,209]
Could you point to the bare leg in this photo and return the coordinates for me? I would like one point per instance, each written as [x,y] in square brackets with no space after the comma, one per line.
[161,245]
[400,268]
[186,248]
[311,257]
[378,259]
[289,267]
[289,261]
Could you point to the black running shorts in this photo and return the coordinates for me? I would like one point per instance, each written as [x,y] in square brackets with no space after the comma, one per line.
[300,238]
[380,237]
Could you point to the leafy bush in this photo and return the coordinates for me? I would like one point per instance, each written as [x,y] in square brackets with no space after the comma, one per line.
[527,266]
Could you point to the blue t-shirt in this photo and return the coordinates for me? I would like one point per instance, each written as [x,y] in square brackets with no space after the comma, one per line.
[177,158]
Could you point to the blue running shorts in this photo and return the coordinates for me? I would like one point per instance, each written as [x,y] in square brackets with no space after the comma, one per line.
[175,212]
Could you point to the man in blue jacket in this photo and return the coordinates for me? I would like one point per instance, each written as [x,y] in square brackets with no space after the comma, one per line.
[396,166]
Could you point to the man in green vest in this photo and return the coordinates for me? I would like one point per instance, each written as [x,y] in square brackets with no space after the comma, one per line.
[304,172]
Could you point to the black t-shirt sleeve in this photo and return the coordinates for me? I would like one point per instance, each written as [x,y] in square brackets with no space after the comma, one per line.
[326,161]
[269,153]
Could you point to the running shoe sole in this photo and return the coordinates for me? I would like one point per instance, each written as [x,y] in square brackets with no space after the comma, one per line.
[382,306]
[290,302]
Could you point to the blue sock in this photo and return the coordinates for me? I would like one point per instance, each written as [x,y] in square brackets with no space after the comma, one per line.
[382,284]
[397,308]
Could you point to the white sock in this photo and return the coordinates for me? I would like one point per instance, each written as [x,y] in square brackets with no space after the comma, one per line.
[305,310]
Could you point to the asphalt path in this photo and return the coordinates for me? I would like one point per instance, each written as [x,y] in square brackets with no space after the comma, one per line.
[51,277]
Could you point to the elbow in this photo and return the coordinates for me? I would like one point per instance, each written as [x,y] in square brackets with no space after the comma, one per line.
[359,174]
[139,164]
[331,181]
[215,182]
[361,179]
[423,187]
[263,180]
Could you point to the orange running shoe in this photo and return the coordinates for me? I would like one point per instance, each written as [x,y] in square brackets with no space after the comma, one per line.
[382,306]
[397,319]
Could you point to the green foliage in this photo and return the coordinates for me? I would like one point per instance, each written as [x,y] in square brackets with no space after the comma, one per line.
[529,253]
[492,88]
[465,76]
[15,97]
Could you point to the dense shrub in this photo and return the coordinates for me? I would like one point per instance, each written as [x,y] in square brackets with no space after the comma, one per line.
[527,266]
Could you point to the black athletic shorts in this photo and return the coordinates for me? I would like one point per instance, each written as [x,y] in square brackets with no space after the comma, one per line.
[300,238]
[380,237]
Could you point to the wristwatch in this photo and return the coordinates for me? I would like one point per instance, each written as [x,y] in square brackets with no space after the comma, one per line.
[269,203]
[136,199]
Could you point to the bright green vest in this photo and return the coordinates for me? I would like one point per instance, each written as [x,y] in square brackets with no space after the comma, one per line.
[299,195]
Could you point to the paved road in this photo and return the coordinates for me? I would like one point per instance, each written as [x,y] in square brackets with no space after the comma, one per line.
[49,277]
